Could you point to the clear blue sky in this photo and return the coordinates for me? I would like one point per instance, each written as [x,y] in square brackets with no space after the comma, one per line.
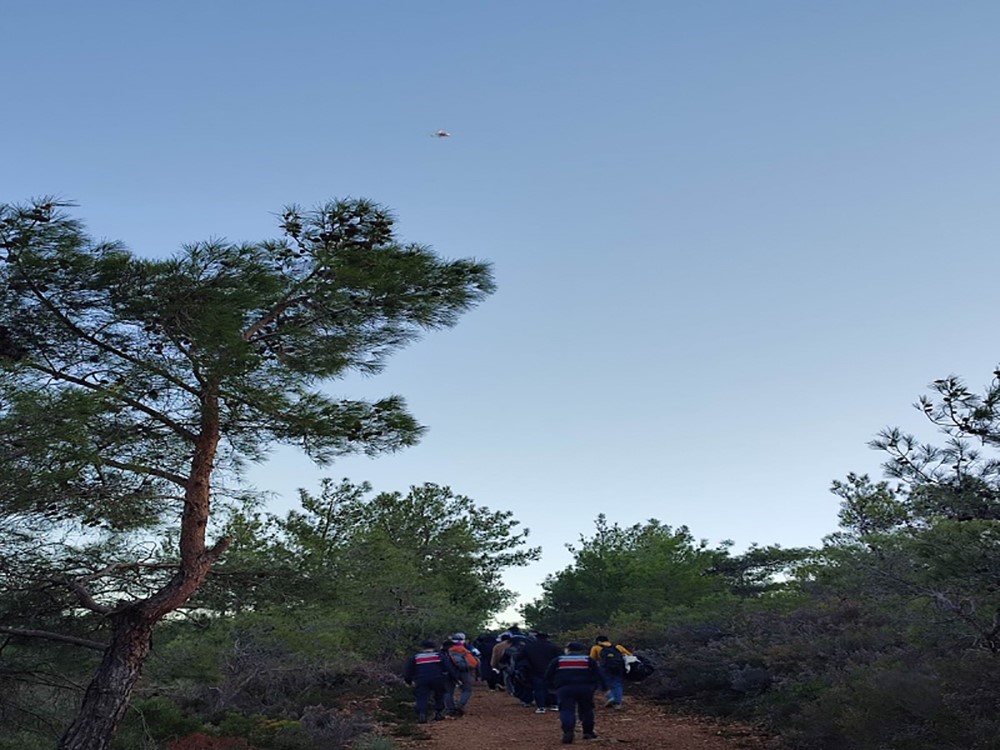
[732,239]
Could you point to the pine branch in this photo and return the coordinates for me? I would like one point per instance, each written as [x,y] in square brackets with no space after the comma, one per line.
[105,346]
[86,643]
[177,479]
[137,405]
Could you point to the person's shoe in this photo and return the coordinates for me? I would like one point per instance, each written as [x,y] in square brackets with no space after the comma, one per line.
[438,716]
[609,703]
[539,710]
[421,718]
[567,738]
[617,705]
[525,704]
[589,736]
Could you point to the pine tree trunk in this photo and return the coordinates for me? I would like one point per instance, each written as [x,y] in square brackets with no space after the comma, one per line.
[107,696]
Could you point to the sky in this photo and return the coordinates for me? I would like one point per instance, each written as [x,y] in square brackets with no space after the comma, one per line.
[732,239]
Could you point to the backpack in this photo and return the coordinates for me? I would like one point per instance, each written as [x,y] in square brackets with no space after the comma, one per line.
[612,660]
[513,653]
[462,658]
[638,669]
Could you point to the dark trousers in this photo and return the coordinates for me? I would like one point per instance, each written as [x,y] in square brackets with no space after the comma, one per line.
[522,688]
[573,699]
[540,688]
[424,689]
[487,674]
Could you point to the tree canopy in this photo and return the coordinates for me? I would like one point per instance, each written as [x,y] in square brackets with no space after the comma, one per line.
[129,387]
[640,570]
[390,566]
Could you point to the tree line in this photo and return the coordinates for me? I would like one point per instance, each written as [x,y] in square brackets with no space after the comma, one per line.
[147,597]
[886,636]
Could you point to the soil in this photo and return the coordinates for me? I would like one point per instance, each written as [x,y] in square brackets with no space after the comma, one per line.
[494,720]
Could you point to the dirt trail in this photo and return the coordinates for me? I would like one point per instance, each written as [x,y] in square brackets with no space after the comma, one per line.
[495,721]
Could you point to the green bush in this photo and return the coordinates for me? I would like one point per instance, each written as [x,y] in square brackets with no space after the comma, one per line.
[374,743]
[25,741]
[152,721]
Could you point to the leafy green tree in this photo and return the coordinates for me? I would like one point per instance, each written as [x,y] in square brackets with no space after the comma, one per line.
[935,537]
[763,571]
[129,387]
[639,570]
[900,607]
[395,567]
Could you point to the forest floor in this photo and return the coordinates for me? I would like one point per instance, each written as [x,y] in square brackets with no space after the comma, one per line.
[495,721]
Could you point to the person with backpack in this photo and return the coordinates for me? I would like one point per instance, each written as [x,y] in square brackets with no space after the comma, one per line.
[517,670]
[465,664]
[428,672]
[610,657]
[575,677]
[499,659]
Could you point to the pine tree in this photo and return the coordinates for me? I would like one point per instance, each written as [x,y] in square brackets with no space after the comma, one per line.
[130,387]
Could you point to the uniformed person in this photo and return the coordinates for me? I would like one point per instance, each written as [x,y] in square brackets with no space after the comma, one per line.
[428,671]
[575,677]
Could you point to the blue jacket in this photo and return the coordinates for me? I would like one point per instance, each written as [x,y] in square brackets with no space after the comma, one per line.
[425,666]
[574,669]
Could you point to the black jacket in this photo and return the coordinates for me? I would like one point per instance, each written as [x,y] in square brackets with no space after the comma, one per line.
[539,653]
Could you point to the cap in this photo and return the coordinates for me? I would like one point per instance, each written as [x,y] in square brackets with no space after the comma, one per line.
[458,637]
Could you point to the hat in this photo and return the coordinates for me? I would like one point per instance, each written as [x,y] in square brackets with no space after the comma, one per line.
[428,644]
[458,637]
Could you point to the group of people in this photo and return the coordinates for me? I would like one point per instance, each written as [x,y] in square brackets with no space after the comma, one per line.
[530,667]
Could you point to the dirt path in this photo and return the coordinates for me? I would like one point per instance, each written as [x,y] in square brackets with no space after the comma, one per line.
[495,721]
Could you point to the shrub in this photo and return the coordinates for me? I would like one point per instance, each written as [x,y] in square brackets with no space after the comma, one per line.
[332,729]
[152,721]
[201,741]
[374,743]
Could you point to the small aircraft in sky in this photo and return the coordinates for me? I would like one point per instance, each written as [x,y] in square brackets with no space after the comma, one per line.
[440,134]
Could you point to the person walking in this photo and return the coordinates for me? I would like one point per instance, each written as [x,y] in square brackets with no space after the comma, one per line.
[465,664]
[518,674]
[538,654]
[485,644]
[428,672]
[610,657]
[575,677]
[498,660]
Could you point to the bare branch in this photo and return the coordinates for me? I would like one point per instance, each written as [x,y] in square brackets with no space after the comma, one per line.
[86,643]
[83,594]
[140,469]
